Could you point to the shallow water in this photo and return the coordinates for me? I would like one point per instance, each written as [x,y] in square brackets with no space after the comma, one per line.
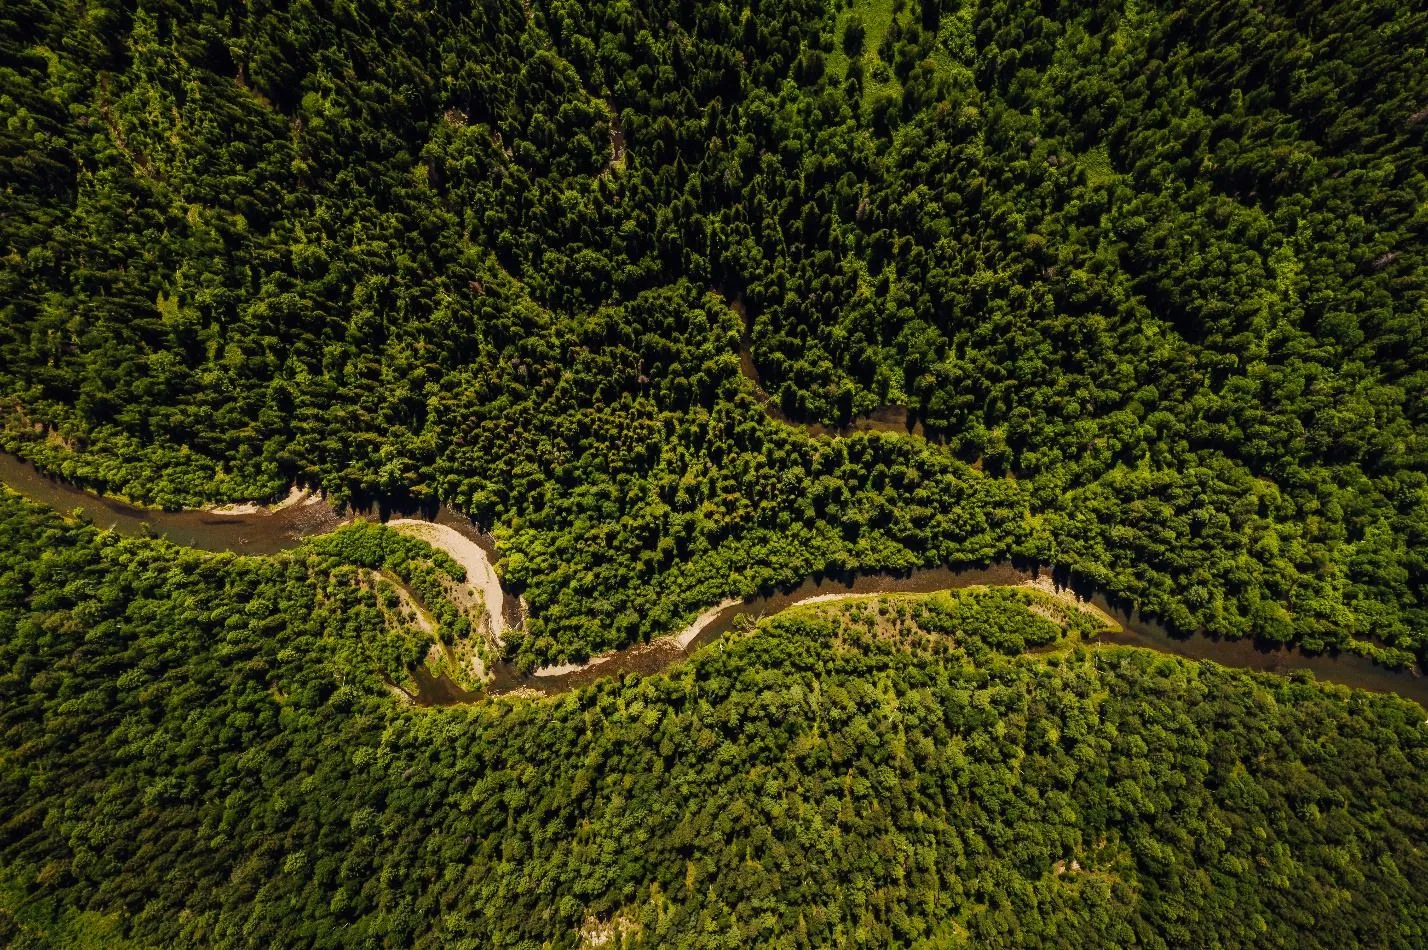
[266,532]
[263,532]
[1138,631]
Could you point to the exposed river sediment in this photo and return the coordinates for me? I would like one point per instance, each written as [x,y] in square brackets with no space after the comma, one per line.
[267,529]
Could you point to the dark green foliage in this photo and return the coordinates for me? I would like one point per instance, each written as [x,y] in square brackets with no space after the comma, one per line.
[196,750]
[1155,276]
[1164,267]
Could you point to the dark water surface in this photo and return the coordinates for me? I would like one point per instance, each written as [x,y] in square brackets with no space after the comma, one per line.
[267,532]
[1138,631]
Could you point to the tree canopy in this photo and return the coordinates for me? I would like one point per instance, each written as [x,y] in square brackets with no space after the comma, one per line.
[651,290]
[1153,278]
[199,749]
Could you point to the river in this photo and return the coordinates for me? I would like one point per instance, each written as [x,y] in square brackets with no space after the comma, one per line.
[269,531]
[1137,630]
[896,419]
[264,532]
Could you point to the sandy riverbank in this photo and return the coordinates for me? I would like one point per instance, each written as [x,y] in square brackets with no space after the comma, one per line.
[564,668]
[296,497]
[482,585]
[686,636]
[1042,583]
[1070,598]
[674,642]
[830,598]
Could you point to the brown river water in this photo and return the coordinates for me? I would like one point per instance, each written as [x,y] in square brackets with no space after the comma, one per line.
[1138,631]
[267,532]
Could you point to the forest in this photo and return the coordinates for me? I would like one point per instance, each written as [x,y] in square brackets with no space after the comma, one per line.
[199,750]
[1164,311]
[619,280]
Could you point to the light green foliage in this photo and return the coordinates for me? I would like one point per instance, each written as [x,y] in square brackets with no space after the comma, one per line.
[880,41]
[1163,302]
[198,751]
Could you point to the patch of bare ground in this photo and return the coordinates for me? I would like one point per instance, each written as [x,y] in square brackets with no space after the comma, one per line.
[296,498]
[459,663]
[1099,861]
[674,644]
[594,932]
[617,140]
[522,692]
[482,587]
[890,616]
[1070,598]
[564,669]
[686,636]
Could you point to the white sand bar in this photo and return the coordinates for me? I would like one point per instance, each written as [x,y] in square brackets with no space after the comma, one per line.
[481,579]
[686,636]
[564,668]
[296,497]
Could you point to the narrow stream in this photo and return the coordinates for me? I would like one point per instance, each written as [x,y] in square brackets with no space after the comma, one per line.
[891,418]
[267,532]
[1138,631]
[262,532]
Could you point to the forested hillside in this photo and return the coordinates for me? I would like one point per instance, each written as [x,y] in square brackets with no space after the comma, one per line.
[629,283]
[1153,276]
[199,749]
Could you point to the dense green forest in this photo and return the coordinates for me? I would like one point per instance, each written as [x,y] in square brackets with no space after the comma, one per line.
[1147,279]
[1153,277]
[199,749]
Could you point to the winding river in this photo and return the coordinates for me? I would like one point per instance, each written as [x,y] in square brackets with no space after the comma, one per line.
[261,532]
[267,531]
[890,418]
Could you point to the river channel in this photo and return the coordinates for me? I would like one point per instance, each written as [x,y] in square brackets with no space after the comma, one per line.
[896,419]
[270,531]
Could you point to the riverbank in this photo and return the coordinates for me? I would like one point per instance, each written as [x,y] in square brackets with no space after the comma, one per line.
[481,593]
[1044,583]
[273,530]
[1123,627]
[675,643]
[244,529]
[296,497]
